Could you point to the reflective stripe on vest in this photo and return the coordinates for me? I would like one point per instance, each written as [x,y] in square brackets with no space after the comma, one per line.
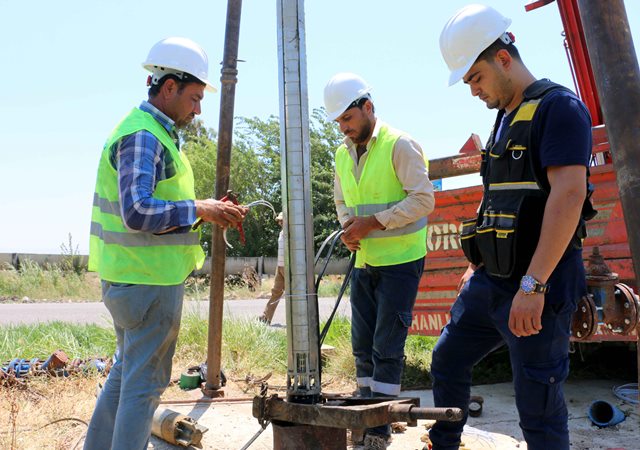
[105,206]
[142,239]
[125,256]
[369,210]
[378,189]
[525,185]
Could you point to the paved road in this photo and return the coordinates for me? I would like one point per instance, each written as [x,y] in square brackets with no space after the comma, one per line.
[95,312]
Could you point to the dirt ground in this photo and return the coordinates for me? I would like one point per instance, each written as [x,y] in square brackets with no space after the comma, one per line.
[231,425]
[52,414]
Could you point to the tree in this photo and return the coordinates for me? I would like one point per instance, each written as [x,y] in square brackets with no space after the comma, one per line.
[255,174]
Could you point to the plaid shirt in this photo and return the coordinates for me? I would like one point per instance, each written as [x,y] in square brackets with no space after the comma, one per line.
[142,161]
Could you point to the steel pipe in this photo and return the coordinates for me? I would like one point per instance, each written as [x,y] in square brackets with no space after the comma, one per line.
[303,373]
[228,79]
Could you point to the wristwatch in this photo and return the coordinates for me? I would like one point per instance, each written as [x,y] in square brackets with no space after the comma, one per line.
[530,286]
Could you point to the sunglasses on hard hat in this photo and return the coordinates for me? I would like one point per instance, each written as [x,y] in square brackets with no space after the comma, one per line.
[358,103]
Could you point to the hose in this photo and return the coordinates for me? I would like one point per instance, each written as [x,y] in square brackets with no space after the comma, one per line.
[627,392]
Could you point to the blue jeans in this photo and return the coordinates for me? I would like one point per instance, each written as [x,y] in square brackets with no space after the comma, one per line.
[382,300]
[540,363]
[146,321]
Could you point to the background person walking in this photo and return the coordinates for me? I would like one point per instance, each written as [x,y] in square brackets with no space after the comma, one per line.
[278,283]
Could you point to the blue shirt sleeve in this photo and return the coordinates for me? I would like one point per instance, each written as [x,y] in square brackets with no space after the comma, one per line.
[140,164]
[563,131]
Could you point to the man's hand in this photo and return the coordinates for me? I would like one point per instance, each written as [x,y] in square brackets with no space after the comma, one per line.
[356,228]
[353,246]
[525,318]
[465,277]
[225,214]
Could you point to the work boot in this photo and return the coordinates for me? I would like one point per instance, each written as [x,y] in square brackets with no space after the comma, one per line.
[375,442]
[263,319]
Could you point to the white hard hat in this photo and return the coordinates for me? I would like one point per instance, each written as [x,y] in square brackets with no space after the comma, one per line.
[467,34]
[178,55]
[342,90]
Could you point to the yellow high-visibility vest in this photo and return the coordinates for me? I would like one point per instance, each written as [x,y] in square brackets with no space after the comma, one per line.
[377,190]
[124,256]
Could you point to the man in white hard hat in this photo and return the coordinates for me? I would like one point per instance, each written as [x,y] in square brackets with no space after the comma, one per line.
[383,196]
[142,244]
[525,271]
[278,283]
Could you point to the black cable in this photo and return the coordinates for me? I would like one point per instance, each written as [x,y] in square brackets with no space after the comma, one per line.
[343,288]
[324,243]
[334,238]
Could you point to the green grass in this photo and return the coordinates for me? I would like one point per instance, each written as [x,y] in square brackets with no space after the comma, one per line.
[53,282]
[330,286]
[417,365]
[40,341]
[251,348]
[340,363]
[248,347]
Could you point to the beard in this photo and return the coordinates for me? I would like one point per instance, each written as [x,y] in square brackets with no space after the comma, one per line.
[184,122]
[493,104]
[364,133]
[503,89]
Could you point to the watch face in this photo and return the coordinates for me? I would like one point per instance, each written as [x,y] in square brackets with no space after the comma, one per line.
[527,284]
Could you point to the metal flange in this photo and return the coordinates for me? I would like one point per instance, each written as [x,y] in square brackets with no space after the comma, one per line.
[584,323]
[622,316]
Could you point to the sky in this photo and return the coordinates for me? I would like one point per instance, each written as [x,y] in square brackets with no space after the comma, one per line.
[72,69]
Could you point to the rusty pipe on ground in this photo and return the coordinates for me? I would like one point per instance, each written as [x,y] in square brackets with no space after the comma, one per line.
[176,428]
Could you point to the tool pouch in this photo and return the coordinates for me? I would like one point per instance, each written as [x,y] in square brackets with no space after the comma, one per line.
[496,242]
[468,241]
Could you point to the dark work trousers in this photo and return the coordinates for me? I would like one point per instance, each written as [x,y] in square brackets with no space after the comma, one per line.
[382,301]
[480,324]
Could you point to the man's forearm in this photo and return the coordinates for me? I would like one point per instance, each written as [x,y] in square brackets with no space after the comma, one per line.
[342,212]
[561,216]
